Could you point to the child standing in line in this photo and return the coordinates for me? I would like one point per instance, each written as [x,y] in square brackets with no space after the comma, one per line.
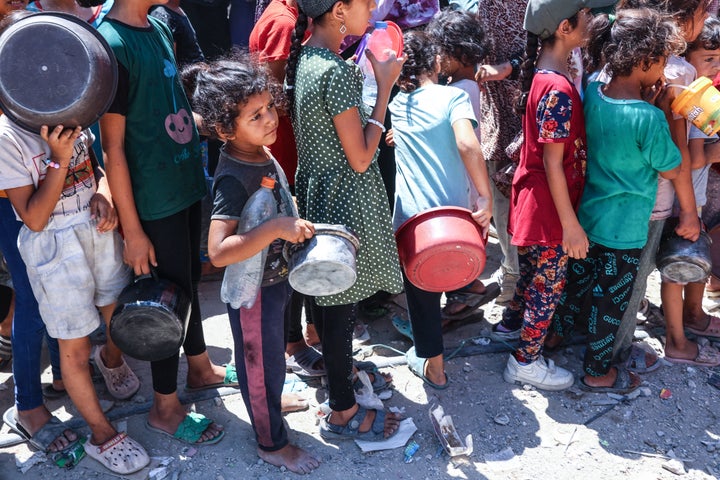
[338,182]
[461,41]
[621,185]
[236,100]
[547,186]
[436,150]
[704,55]
[156,176]
[69,241]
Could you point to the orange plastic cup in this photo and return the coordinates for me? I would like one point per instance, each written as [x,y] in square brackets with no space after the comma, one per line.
[700,104]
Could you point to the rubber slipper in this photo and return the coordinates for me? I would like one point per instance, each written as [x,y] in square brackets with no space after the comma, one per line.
[121,454]
[403,326]
[190,430]
[471,300]
[5,352]
[625,382]
[230,380]
[711,331]
[379,383]
[707,357]
[449,324]
[637,361]
[304,363]
[51,393]
[351,430]
[417,366]
[43,438]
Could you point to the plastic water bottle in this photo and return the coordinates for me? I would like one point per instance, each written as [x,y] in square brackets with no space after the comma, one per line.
[242,280]
[379,43]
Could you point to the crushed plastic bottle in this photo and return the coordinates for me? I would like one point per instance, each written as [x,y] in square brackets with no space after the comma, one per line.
[380,44]
[242,280]
[411,450]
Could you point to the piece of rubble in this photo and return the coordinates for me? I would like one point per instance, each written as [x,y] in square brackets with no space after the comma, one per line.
[674,466]
[501,419]
[501,456]
[26,461]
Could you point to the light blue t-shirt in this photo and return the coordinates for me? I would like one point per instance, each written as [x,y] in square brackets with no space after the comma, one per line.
[628,144]
[430,172]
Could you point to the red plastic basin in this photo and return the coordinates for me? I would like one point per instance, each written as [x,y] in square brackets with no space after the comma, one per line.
[441,249]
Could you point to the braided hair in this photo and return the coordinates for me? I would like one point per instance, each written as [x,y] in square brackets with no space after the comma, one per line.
[298,35]
[421,52]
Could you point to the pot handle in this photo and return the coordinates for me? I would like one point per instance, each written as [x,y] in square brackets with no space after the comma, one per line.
[153,274]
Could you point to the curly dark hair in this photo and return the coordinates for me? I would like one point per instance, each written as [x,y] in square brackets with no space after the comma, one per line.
[638,37]
[709,38]
[459,35]
[682,11]
[421,54]
[220,88]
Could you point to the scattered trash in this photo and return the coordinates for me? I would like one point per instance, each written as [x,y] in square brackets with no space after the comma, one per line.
[501,419]
[411,450]
[385,394]
[446,433]
[674,466]
[406,430]
[365,396]
[501,456]
[71,456]
[25,462]
[482,341]
[665,393]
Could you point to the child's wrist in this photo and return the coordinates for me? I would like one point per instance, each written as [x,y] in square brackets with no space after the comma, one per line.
[56,165]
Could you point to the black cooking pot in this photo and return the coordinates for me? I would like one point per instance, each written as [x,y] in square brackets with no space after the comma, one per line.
[683,261]
[55,69]
[150,319]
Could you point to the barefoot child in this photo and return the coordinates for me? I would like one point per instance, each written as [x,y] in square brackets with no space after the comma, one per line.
[236,100]
[621,185]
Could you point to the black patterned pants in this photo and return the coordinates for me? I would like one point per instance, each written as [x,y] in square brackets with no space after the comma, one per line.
[597,291]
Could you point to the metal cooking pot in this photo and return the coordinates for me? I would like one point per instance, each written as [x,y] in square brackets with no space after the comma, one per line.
[324,264]
[150,318]
[55,69]
[683,261]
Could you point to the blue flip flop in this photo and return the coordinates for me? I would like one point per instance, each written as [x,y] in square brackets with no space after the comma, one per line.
[403,326]
[417,366]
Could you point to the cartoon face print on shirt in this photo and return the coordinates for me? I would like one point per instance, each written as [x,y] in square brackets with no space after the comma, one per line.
[178,125]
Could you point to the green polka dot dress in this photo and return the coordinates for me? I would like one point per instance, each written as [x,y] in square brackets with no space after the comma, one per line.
[328,189]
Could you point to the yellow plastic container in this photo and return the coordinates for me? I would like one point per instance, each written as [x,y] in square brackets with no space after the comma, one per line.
[700,104]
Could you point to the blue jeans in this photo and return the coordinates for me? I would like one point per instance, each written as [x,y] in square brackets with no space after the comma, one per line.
[28,328]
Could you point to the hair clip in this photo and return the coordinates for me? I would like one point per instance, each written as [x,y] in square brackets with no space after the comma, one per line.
[611,18]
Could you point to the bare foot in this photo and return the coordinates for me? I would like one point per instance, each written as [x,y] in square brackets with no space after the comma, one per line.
[292,402]
[688,351]
[33,420]
[456,307]
[291,457]
[201,371]
[607,380]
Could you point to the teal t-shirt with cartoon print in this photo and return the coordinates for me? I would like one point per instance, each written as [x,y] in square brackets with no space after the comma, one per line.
[161,140]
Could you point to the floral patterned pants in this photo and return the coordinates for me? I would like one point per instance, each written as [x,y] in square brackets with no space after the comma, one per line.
[538,290]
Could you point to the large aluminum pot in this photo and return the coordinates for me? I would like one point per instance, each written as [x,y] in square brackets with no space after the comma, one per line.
[150,319]
[55,69]
[683,261]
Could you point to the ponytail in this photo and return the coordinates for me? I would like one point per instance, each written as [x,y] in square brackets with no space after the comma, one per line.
[599,32]
[291,67]
[527,71]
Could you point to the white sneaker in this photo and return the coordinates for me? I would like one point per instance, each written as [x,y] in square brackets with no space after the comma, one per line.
[542,374]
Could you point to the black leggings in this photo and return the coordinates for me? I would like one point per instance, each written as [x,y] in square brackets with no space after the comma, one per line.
[335,326]
[176,240]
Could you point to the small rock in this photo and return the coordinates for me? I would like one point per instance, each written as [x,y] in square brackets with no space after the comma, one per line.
[692,370]
[660,433]
[674,466]
[217,401]
[692,384]
[467,368]
[501,456]
[645,391]
[501,419]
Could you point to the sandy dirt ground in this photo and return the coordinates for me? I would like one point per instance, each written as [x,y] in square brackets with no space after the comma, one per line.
[518,432]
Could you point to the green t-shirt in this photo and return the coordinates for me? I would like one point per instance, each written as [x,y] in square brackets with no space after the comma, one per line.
[628,144]
[161,141]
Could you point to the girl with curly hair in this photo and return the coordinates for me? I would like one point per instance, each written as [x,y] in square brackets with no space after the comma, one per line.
[236,99]
[629,144]
[436,151]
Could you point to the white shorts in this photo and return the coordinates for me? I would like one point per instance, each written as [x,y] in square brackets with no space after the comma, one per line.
[71,271]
